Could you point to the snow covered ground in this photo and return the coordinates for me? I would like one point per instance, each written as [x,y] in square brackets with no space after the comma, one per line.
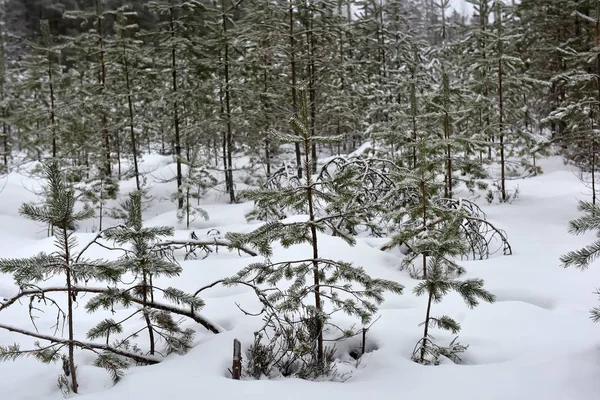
[535,342]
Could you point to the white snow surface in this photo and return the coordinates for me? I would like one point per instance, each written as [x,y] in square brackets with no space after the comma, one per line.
[536,342]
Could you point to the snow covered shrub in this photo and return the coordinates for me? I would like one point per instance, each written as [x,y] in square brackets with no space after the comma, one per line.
[298,317]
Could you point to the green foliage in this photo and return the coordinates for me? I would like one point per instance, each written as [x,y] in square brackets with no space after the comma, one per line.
[58,211]
[582,258]
[437,285]
[144,264]
[328,284]
[590,221]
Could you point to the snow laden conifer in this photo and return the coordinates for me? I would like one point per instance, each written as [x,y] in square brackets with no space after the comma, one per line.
[298,316]
[60,212]
[196,182]
[438,284]
[425,223]
[144,264]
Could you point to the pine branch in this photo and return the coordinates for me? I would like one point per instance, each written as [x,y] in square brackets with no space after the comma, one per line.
[151,304]
[205,242]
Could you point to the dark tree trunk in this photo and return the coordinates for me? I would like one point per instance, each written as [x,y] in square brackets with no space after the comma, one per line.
[176,110]
[293,67]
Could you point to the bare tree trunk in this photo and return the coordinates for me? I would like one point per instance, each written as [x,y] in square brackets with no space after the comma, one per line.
[70,298]
[426,327]
[229,180]
[176,109]
[597,42]
[293,66]
[131,120]
[102,81]
[501,109]
[52,111]
[266,112]
[310,39]
[147,288]
[5,132]
[424,194]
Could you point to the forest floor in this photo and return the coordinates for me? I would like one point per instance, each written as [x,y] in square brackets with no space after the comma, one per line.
[536,342]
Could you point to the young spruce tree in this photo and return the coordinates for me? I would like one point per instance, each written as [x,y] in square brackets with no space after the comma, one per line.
[59,212]
[319,286]
[144,264]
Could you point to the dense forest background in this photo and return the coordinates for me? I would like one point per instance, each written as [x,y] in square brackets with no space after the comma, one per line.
[98,83]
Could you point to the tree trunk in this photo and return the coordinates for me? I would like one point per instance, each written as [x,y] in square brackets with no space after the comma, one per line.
[426,328]
[501,110]
[70,298]
[146,289]
[229,179]
[131,120]
[315,248]
[102,81]
[176,110]
[293,77]
[310,43]
[424,194]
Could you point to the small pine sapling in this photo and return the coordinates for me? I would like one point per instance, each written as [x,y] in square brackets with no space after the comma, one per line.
[144,264]
[435,287]
[427,225]
[59,212]
[196,182]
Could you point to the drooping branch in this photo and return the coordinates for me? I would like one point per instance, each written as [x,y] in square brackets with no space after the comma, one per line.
[83,345]
[479,233]
[151,304]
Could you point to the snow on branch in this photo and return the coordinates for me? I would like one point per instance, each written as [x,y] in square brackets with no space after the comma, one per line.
[202,244]
[150,304]
[84,345]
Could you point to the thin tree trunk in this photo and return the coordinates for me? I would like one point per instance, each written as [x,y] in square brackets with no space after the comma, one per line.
[424,194]
[52,111]
[5,132]
[176,109]
[266,112]
[501,111]
[310,43]
[131,120]
[70,298]
[597,42]
[146,316]
[229,137]
[293,77]
[315,248]
[426,327]
[102,81]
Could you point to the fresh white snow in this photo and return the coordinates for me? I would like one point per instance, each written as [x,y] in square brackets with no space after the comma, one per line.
[535,342]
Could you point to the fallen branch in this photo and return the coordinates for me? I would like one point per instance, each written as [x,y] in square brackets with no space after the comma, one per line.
[151,304]
[83,345]
[209,241]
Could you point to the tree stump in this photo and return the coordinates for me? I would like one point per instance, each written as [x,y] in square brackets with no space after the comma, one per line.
[236,369]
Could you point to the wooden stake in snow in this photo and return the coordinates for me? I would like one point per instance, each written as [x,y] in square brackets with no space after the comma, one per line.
[236,369]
